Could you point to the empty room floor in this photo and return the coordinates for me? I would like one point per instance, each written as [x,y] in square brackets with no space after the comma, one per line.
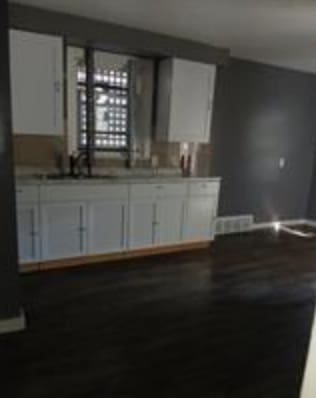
[232,321]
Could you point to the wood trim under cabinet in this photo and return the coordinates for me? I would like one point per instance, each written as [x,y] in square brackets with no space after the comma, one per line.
[113,257]
[29,267]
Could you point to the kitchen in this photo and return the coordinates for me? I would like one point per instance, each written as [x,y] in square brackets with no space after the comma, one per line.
[105,192]
[158,174]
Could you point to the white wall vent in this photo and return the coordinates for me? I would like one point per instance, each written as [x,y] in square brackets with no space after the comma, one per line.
[234,224]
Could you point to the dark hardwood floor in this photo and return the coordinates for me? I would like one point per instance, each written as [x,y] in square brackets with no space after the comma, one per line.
[232,321]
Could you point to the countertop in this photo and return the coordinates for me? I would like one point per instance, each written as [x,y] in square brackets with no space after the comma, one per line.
[31,180]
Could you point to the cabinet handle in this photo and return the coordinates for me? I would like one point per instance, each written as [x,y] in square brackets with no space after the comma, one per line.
[33,235]
[81,230]
[57,87]
[57,91]
[182,221]
[123,227]
[19,191]
[81,239]
[154,224]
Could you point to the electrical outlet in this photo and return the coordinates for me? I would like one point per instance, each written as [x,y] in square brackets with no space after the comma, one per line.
[281,163]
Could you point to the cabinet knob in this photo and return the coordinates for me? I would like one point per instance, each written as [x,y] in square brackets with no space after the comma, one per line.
[57,87]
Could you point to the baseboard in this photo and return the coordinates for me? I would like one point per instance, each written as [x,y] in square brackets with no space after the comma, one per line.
[234,224]
[270,224]
[113,257]
[310,223]
[13,325]
[245,223]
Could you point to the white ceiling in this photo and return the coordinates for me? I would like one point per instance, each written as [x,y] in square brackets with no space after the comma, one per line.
[278,32]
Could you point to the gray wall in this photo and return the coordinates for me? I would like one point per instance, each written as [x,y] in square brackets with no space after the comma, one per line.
[311,211]
[111,37]
[263,113]
[9,305]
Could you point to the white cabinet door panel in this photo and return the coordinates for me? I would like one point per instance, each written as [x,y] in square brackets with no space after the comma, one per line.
[64,232]
[28,233]
[203,188]
[36,63]
[185,100]
[200,218]
[170,213]
[142,228]
[190,101]
[107,226]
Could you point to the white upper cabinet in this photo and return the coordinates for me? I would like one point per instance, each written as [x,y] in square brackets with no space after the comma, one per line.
[36,83]
[185,101]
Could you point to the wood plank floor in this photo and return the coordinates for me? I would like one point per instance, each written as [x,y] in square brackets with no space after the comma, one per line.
[232,321]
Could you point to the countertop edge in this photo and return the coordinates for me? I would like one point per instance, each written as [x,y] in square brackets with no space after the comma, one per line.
[113,181]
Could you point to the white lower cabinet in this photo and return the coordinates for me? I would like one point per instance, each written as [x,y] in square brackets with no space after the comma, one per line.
[107,222]
[64,221]
[63,230]
[142,224]
[170,217]
[156,214]
[28,233]
[200,217]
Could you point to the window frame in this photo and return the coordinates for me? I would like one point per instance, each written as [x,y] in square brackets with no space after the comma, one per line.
[117,109]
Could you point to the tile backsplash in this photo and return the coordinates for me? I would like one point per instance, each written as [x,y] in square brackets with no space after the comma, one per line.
[39,151]
[49,154]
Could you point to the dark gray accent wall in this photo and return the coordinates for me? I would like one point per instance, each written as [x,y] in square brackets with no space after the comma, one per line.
[111,37]
[9,303]
[311,211]
[263,113]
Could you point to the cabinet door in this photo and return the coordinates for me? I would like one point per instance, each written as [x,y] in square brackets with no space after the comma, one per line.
[170,213]
[200,216]
[63,229]
[107,226]
[191,101]
[28,233]
[142,223]
[37,83]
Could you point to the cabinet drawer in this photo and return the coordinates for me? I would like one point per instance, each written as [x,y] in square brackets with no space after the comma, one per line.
[56,193]
[158,190]
[27,193]
[203,188]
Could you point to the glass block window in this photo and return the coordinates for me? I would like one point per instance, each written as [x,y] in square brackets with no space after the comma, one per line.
[111,101]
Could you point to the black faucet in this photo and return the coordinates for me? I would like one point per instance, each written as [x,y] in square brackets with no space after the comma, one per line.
[77,163]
